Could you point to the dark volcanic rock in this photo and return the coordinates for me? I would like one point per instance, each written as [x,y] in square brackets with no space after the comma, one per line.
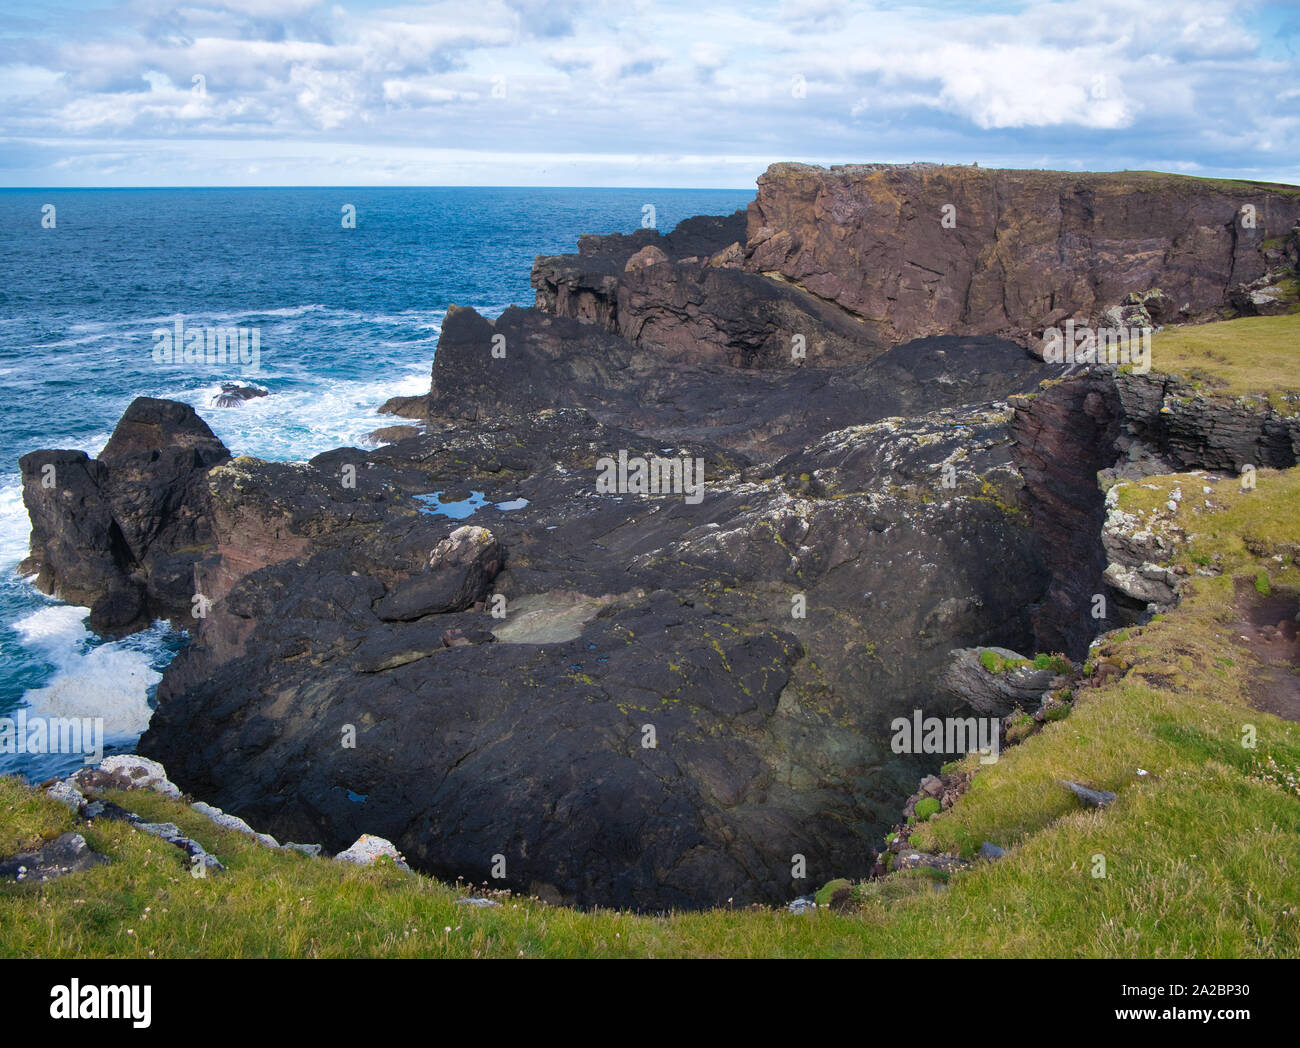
[628,621]
[392,434]
[233,395]
[1090,798]
[461,567]
[123,532]
[558,362]
[1194,429]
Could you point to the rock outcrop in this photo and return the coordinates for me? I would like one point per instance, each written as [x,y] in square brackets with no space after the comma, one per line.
[696,304]
[769,730]
[1196,429]
[644,699]
[1018,687]
[67,853]
[1103,423]
[553,362]
[123,532]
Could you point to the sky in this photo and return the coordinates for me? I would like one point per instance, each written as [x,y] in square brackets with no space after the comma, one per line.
[698,93]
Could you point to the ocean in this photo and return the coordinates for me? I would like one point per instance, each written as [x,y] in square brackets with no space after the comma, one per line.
[345,317]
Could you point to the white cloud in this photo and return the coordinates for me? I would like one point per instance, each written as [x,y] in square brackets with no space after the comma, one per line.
[422,93]
[1151,84]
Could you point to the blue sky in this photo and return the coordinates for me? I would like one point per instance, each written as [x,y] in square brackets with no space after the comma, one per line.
[636,93]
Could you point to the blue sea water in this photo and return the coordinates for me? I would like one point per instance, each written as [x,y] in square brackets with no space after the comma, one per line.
[346,318]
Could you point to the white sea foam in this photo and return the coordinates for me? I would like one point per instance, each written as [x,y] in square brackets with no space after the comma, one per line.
[111,680]
[119,323]
[15,525]
[84,340]
[294,425]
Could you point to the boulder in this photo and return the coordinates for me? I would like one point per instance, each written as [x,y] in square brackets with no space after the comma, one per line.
[392,434]
[128,771]
[994,694]
[460,571]
[1090,798]
[233,395]
[368,850]
[67,853]
[647,256]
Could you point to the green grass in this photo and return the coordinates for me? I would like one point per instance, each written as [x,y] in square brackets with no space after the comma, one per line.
[1252,356]
[995,663]
[926,807]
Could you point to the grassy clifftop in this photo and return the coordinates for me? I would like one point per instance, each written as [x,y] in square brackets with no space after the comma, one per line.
[1257,356]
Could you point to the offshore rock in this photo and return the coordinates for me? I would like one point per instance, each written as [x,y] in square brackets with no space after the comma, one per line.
[123,532]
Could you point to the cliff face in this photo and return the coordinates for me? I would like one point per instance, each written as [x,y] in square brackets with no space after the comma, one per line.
[1105,422]
[1064,436]
[1022,250]
[686,297]
[855,259]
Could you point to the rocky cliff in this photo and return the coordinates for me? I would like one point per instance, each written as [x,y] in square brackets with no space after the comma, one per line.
[644,699]
[857,258]
[926,248]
